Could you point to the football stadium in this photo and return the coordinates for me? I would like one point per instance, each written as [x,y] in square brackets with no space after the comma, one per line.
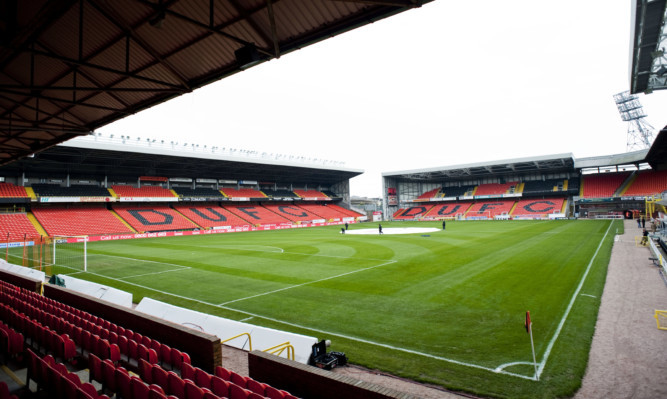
[148,268]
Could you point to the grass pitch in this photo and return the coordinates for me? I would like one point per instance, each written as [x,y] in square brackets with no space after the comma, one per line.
[445,308]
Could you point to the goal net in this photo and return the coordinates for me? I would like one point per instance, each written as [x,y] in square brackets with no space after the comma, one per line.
[67,254]
[477,215]
[26,251]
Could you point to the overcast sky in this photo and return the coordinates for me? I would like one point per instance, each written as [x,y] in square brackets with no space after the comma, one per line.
[452,82]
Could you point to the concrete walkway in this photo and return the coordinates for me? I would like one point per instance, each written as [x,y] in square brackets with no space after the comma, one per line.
[628,358]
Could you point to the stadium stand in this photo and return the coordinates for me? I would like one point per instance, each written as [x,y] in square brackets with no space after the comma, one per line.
[538,207]
[153,218]
[311,194]
[16,226]
[210,216]
[414,212]
[78,220]
[450,192]
[200,192]
[499,207]
[292,212]
[496,188]
[328,212]
[430,194]
[279,193]
[450,209]
[71,354]
[573,186]
[9,190]
[648,182]
[257,214]
[330,194]
[344,211]
[55,190]
[602,185]
[142,192]
[248,193]
[545,187]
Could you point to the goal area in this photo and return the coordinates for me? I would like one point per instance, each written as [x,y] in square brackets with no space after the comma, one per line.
[474,215]
[57,254]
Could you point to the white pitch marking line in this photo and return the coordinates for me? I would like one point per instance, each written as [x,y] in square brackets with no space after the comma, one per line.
[239,248]
[138,260]
[306,283]
[70,274]
[164,271]
[323,331]
[541,365]
[592,296]
[444,359]
[502,366]
[547,352]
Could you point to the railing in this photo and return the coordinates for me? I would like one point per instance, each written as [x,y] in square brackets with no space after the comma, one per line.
[240,335]
[280,348]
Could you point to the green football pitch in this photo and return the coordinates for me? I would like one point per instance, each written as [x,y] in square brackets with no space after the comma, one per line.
[446,307]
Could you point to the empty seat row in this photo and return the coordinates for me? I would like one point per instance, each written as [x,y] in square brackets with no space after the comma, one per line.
[11,341]
[16,226]
[197,383]
[52,328]
[93,334]
[39,335]
[57,380]
[9,190]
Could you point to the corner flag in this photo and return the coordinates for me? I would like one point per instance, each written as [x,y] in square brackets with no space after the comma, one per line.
[529,329]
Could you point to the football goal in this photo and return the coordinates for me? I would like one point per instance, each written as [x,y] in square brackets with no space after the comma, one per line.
[59,254]
[70,252]
[474,215]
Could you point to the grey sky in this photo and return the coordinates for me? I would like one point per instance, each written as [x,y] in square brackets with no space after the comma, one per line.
[449,83]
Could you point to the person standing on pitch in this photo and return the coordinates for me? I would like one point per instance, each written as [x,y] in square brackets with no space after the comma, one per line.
[345,225]
[443,224]
[380,228]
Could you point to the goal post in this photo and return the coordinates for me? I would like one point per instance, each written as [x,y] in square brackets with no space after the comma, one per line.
[478,215]
[26,251]
[69,252]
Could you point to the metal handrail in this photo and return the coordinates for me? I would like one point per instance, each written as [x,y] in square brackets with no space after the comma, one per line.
[236,336]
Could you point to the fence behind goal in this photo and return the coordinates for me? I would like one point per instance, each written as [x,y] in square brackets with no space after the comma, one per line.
[58,254]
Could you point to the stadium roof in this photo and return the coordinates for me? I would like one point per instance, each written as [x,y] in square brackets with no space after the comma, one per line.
[69,67]
[543,164]
[126,162]
[648,60]
[628,158]
[657,155]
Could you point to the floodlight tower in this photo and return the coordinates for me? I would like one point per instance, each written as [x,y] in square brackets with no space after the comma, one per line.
[640,132]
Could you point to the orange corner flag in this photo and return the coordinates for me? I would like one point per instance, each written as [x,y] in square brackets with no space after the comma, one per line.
[528,322]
